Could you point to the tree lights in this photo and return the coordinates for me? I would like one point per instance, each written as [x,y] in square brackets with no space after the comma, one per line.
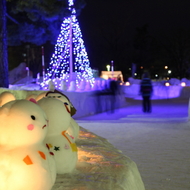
[70,60]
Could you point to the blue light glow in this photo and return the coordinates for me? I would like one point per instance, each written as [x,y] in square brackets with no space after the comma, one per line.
[59,68]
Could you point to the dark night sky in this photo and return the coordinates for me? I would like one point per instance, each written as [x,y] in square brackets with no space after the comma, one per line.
[160,15]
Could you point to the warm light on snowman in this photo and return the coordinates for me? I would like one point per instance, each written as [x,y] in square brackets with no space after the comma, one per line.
[63,98]
[6,97]
[73,129]
[59,141]
[25,162]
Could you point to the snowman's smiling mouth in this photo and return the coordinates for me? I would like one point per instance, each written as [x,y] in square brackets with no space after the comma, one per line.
[43,126]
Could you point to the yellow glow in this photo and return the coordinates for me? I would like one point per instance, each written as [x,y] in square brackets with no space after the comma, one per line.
[88,156]
[86,135]
[105,76]
[108,67]
[167,84]
[6,97]
[25,162]
[111,74]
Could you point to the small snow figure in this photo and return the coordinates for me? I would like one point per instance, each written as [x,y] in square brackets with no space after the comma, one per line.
[63,146]
[73,129]
[51,85]
[63,85]
[72,86]
[60,96]
[25,162]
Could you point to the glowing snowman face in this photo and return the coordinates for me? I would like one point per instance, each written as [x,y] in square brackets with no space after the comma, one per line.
[22,123]
[58,115]
[65,101]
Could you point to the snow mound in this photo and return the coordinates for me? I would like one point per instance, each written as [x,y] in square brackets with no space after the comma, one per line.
[100,166]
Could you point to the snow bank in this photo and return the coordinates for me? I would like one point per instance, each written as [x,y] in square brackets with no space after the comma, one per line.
[100,166]
[87,102]
[160,91]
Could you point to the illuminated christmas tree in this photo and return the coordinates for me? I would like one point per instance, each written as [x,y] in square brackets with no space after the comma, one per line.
[70,60]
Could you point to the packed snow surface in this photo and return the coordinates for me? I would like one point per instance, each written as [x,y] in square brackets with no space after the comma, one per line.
[158,142]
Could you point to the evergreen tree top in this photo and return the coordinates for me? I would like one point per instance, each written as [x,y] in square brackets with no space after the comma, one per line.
[37,21]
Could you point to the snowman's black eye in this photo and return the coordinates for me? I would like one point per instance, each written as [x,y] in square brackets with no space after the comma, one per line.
[33,117]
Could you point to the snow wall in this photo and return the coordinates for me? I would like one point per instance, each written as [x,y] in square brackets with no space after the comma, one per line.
[159,91]
[87,103]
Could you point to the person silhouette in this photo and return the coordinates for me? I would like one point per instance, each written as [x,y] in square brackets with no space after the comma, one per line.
[113,92]
[146,91]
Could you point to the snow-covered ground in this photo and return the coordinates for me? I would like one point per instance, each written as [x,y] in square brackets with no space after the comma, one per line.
[158,142]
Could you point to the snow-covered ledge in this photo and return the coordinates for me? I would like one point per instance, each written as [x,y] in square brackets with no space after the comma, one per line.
[100,166]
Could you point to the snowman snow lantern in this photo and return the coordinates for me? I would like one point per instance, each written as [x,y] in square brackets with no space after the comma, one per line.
[62,97]
[25,161]
[73,129]
[59,141]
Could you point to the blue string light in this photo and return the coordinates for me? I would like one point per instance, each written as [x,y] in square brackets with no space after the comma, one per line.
[59,68]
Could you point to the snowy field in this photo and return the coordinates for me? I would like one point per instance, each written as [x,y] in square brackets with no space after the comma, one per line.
[158,142]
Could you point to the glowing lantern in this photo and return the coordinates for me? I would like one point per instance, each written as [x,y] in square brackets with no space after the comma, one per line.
[108,67]
[127,84]
[60,142]
[183,84]
[167,84]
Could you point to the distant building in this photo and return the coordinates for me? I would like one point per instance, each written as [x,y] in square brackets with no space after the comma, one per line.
[112,74]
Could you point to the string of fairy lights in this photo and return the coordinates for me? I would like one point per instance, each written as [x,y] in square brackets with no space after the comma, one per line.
[69,43]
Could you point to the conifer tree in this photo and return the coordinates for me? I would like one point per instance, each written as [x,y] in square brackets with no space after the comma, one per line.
[70,60]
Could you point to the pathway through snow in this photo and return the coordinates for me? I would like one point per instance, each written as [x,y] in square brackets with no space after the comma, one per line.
[157,142]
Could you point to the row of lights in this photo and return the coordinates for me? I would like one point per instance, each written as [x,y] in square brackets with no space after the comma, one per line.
[183,84]
[156,75]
